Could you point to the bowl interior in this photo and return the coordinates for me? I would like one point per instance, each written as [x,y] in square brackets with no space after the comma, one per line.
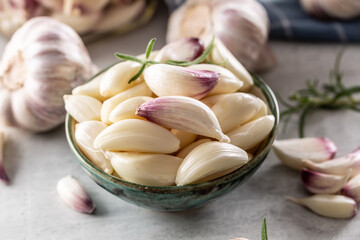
[258,158]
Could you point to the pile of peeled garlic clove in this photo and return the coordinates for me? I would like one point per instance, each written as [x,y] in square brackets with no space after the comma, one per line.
[335,182]
[173,125]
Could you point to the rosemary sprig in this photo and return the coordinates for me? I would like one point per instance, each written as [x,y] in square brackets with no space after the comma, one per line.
[333,95]
[264,230]
[144,63]
[203,57]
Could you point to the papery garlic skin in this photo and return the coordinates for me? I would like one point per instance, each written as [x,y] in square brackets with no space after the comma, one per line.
[115,79]
[146,169]
[321,183]
[83,108]
[292,151]
[251,134]
[91,89]
[127,108]
[241,25]
[85,134]
[228,82]
[74,195]
[333,206]
[236,109]
[168,80]
[3,176]
[352,188]
[110,104]
[137,135]
[182,113]
[207,159]
[43,61]
[342,9]
[338,166]
[184,49]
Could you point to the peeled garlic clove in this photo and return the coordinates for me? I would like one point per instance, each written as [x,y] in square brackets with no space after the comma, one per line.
[168,80]
[115,80]
[110,104]
[228,82]
[333,206]
[137,135]
[186,150]
[352,188]
[184,49]
[74,195]
[182,113]
[91,89]
[338,166]
[185,137]
[263,111]
[43,61]
[212,100]
[322,183]
[127,108]
[209,158]
[83,108]
[221,55]
[251,134]
[236,109]
[148,169]
[3,176]
[85,134]
[292,151]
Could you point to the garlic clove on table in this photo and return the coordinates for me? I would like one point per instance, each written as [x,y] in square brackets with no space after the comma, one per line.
[3,176]
[292,151]
[321,183]
[333,206]
[352,188]
[43,61]
[74,195]
[338,166]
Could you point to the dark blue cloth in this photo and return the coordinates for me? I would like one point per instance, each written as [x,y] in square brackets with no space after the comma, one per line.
[289,21]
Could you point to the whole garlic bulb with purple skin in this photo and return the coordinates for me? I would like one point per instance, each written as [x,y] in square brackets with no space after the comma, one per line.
[242,25]
[342,9]
[44,60]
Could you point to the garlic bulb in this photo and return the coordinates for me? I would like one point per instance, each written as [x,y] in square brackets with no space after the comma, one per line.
[43,61]
[342,9]
[241,25]
[84,16]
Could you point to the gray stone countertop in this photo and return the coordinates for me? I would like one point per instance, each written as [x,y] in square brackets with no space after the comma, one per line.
[31,209]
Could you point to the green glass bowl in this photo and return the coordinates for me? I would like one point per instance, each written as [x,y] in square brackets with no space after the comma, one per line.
[178,198]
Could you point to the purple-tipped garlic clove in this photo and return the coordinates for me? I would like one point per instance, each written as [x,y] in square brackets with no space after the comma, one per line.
[292,151]
[322,183]
[3,176]
[183,113]
[184,49]
[74,195]
[352,188]
[168,80]
[333,206]
[337,166]
[228,82]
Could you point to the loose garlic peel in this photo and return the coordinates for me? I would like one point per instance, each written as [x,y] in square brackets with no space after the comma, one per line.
[43,61]
[148,136]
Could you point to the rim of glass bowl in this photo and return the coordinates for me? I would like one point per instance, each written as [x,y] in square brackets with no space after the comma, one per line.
[258,158]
